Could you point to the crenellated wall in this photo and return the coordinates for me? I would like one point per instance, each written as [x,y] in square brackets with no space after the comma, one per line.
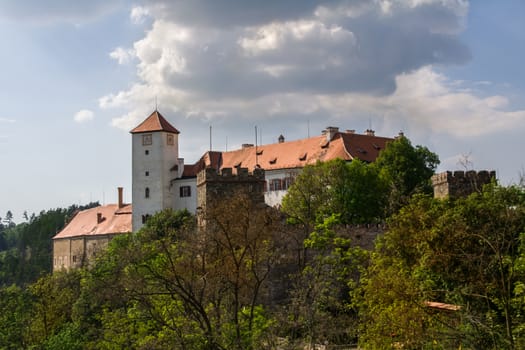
[214,186]
[460,183]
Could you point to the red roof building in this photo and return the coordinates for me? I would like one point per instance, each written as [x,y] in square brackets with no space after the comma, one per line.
[88,232]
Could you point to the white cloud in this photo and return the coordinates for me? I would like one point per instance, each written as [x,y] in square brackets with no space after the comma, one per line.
[122,55]
[6,120]
[83,116]
[138,14]
[337,61]
[429,98]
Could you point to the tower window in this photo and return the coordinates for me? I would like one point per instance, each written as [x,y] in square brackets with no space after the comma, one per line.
[169,139]
[147,173]
[145,218]
[147,140]
[146,192]
[146,152]
[185,191]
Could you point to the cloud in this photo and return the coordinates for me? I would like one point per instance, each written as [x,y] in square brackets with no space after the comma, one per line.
[53,11]
[123,56]
[6,120]
[138,14]
[427,97]
[84,115]
[339,61]
[314,50]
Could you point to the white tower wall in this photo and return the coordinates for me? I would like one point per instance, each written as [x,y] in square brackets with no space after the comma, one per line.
[152,168]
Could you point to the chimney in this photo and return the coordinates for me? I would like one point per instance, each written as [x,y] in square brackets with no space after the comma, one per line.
[247,145]
[330,132]
[370,132]
[99,218]
[350,131]
[281,138]
[120,200]
[400,135]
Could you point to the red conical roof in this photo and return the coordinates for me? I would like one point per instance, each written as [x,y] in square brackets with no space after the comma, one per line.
[155,122]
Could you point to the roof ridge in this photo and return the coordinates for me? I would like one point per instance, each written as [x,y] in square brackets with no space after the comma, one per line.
[155,122]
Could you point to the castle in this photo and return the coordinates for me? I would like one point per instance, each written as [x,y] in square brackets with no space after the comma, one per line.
[161,180]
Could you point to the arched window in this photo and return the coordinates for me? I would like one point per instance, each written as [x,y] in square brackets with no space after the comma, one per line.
[146,192]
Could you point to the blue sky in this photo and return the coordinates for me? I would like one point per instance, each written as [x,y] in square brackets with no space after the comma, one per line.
[77,76]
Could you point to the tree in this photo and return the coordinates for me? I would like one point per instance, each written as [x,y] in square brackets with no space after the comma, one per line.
[172,285]
[320,308]
[8,219]
[407,170]
[15,317]
[466,252]
[52,297]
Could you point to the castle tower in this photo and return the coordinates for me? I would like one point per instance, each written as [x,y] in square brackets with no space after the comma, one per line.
[155,162]
[214,187]
[460,183]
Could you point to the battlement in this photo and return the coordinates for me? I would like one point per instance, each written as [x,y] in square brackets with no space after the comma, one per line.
[460,183]
[229,176]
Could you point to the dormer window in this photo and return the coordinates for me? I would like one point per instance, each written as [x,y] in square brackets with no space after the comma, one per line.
[147,140]
[303,157]
[273,160]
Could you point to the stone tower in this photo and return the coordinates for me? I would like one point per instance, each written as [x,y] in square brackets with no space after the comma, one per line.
[214,187]
[155,162]
[460,183]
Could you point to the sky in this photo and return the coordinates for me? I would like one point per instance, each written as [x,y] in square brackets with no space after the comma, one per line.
[77,76]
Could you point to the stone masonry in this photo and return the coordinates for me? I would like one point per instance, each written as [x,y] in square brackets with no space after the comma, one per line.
[460,183]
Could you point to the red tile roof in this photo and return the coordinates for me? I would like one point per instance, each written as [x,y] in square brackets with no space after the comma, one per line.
[294,154]
[155,122]
[442,306]
[114,220]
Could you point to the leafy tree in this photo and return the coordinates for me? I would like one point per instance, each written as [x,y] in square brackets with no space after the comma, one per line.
[407,170]
[8,219]
[15,317]
[354,191]
[172,285]
[28,245]
[320,309]
[468,252]
[52,297]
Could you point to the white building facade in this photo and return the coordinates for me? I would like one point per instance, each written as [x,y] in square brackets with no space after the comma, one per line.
[161,180]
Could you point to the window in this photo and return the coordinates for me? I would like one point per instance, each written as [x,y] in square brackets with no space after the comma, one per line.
[146,152]
[287,182]
[147,140]
[147,173]
[275,185]
[169,139]
[146,192]
[145,218]
[185,191]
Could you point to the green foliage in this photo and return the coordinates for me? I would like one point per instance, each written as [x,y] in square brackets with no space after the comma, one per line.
[52,297]
[406,169]
[173,286]
[354,191]
[466,252]
[321,309]
[15,304]
[27,247]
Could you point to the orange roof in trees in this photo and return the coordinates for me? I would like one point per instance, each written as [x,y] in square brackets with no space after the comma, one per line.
[113,220]
[155,122]
[294,154]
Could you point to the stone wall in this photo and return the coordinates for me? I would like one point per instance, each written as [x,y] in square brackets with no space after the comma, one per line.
[215,185]
[460,183]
